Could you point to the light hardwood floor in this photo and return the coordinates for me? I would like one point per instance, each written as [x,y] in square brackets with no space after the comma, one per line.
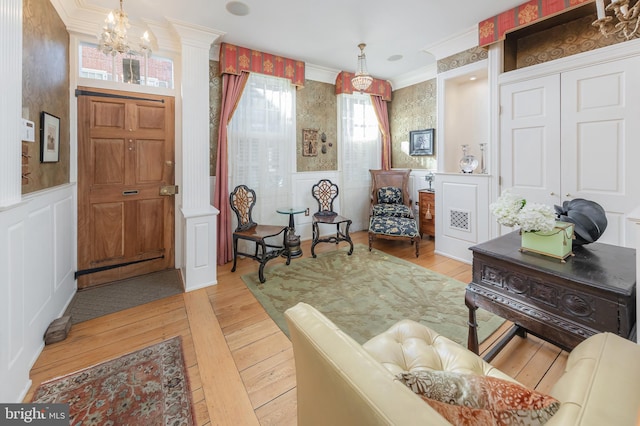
[240,365]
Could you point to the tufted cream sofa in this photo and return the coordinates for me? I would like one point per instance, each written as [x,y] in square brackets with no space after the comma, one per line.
[340,382]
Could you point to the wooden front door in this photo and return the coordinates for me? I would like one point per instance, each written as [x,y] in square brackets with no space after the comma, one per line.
[125,165]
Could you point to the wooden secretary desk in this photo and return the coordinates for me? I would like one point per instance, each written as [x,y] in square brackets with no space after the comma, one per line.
[562,303]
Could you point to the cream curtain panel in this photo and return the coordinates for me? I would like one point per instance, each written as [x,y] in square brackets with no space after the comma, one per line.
[360,148]
[261,138]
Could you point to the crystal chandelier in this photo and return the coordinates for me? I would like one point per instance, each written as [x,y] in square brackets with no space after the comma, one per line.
[113,39]
[624,12]
[362,80]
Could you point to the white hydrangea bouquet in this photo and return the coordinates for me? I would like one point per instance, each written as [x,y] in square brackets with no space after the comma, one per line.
[513,210]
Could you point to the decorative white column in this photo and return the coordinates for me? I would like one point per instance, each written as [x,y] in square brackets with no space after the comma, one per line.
[10,101]
[199,230]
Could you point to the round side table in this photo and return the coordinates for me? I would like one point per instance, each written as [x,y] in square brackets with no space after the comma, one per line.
[293,240]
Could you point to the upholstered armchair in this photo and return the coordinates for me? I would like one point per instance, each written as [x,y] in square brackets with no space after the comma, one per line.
[389,201]
[391,216]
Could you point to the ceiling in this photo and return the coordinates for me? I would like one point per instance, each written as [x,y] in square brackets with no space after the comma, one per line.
[325,33]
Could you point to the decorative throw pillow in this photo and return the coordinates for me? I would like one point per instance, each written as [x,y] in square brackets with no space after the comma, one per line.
[469,399]
[390,195]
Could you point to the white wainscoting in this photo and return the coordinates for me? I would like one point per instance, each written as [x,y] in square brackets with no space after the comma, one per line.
[302,183]
[416,183]
[37,263]
[462,213]
[302,196]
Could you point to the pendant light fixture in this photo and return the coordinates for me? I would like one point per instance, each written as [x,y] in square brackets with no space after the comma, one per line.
[113,39]
[362,80]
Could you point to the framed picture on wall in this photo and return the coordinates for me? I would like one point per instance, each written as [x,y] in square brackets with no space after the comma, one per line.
[49,138]
[421,142]
[309,142]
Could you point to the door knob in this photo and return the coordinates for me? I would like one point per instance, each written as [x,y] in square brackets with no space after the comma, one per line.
[552,193]
[568,195]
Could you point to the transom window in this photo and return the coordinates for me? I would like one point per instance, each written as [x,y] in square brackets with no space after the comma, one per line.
[152,71]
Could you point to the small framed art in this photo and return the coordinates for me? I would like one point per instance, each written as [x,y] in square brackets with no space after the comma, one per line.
[421,142]
[49,138]
[309,142]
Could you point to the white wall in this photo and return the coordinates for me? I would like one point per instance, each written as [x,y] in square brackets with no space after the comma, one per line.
[37,232]
[463,114]
[37,262]
[301,196]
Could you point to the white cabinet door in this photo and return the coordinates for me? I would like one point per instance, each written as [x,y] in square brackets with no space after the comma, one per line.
[600,148]
[530,139]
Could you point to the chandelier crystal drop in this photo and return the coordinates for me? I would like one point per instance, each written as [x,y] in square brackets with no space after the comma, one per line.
[624,12]
[114,40]
[362,80]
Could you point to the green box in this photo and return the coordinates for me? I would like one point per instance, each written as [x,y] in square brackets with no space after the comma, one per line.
[556,243]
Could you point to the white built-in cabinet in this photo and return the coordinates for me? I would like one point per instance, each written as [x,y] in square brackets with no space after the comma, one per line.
[462,200]
[573,134]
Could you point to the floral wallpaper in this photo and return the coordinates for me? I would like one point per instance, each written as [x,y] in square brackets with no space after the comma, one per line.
[573,37]
[215,100]
[45,87]
[461,59]
[412,108]
[316,108]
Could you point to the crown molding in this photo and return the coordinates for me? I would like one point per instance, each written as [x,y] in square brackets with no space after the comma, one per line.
[164,37]
[82,18]
[195,35]
[321,74]
[79,17]
[414,77]
[455,44]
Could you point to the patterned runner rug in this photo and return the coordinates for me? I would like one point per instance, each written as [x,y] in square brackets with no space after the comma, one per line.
[367,292]
[147,387]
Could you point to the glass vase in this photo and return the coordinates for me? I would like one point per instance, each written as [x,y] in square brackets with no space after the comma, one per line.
[468,162]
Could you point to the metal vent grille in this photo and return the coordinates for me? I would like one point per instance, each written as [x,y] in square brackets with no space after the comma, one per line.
[459,219]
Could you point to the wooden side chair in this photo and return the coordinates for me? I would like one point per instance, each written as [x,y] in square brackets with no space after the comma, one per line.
[391,216]
[269,240]
[325,192]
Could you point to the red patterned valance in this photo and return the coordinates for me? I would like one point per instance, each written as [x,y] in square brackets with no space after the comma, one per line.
[380,88]
[494,29]
[235,59]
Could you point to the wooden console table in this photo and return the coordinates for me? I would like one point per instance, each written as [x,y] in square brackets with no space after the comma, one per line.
[562,303]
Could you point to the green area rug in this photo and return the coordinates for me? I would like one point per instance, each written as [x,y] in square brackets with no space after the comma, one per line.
[367,292]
